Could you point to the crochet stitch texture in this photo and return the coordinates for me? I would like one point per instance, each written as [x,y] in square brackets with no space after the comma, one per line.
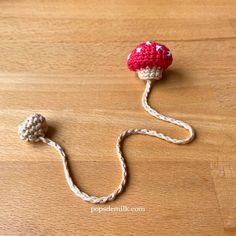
[151,55]
[34,127]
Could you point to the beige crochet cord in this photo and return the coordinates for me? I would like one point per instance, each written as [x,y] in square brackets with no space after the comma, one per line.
[34,129]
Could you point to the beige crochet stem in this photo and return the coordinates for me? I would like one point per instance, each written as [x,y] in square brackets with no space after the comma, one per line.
[156,114]
[122,136]
[75,189]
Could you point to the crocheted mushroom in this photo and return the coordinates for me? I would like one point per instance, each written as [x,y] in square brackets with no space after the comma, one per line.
[149,59]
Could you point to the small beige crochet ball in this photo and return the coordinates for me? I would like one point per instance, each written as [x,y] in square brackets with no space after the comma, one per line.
[34,127]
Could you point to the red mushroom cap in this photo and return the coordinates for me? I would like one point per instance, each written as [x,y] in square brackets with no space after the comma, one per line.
[151,55]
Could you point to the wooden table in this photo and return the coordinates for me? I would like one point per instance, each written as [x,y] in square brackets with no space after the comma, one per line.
[67,61]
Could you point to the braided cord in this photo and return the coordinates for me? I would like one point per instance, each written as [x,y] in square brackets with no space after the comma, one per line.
[94,199]
[160,116]
[84,196]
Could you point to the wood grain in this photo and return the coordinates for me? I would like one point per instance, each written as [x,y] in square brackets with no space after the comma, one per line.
[67,60]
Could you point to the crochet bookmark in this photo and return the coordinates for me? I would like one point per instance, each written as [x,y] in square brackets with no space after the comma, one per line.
[148,59]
